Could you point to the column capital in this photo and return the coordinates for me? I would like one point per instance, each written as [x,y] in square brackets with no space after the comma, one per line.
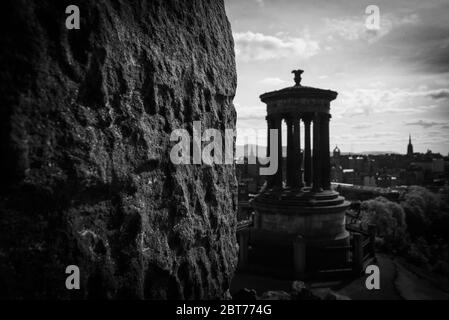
[296,116]
[289,120]
[306,118]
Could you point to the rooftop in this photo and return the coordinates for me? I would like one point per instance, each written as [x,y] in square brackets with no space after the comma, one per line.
[299,91]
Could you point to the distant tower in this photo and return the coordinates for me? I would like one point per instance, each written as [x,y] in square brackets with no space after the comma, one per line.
[336,157]
[336,152]
[410,146]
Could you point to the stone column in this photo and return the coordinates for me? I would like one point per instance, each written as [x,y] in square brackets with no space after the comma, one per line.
[297,146]
[291,156]
[307,152]
[278,177]
[324,151]
[270,125]
[316,153]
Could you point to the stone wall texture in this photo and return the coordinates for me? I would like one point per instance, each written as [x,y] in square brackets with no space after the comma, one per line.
[86,178]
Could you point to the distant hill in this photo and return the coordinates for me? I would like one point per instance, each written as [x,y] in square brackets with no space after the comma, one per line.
[373,153]
[376,153]
[240,151]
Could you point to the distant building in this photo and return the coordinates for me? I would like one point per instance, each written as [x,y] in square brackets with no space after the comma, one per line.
[349,176]
[369,181]
[410,146]
[390,170]
[336,153]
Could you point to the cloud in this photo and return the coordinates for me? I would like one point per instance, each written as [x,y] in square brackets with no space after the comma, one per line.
[272,81]
[250,46]
[366,125]
[375,101]
[250,113]
[370,137]
[425,46]
[425,123]
[439,94]
[363,125]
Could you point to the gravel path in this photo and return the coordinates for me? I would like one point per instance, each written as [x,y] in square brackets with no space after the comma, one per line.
[357,290]
[396,283]
[413,287]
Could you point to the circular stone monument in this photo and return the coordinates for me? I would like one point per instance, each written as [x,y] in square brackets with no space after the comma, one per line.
[299,220]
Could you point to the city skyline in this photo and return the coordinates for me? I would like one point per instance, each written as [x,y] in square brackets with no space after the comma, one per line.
[391,82]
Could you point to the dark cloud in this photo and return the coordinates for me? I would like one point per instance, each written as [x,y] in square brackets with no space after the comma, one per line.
[425,123]
[440,94]
[423,45]
[436,59]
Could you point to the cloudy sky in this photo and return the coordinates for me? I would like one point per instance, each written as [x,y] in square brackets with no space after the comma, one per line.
[391,82]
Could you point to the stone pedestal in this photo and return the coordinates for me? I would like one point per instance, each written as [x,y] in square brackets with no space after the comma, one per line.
[318,219]
[299,257]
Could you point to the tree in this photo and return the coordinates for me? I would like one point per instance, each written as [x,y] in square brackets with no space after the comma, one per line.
[389,218]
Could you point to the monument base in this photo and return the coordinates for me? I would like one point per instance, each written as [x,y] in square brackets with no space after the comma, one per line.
[301,231]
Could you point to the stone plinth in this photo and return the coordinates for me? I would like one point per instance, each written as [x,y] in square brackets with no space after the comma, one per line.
[319,218]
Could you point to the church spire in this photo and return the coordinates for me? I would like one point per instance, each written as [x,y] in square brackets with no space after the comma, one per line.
[410,146]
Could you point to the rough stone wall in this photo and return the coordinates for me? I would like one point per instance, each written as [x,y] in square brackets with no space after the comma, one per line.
[86,178]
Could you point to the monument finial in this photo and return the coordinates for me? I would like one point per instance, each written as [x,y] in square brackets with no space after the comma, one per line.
[298,76]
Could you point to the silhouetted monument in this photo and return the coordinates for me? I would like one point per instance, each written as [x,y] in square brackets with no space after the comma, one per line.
[299,223]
